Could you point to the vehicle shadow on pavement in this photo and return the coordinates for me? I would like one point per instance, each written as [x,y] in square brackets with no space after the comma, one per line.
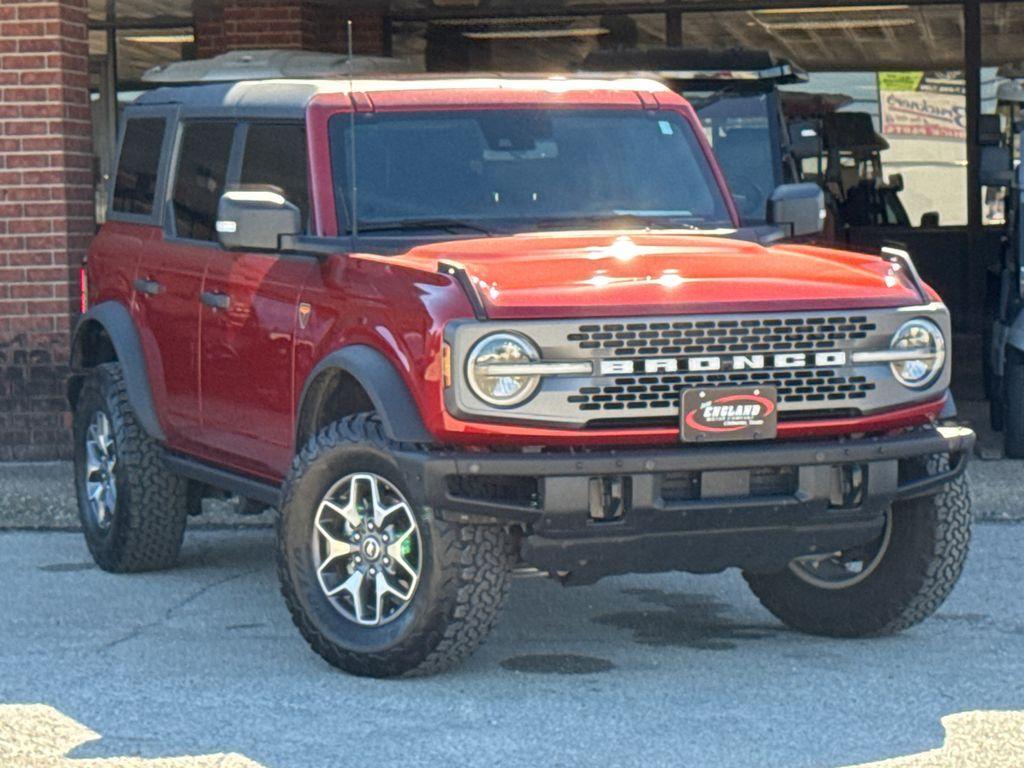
[684,620]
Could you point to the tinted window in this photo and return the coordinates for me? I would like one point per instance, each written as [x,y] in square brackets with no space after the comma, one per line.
[135,185]
[275,155]
[527,168]
[199,183]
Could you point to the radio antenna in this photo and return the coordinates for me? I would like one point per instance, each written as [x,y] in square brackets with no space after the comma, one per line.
[352,133]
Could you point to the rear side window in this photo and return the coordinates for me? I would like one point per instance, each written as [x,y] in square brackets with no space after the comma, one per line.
[135,185]
[275,155]
[201,177]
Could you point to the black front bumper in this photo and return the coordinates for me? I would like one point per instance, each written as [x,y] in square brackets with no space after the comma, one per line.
[697,508]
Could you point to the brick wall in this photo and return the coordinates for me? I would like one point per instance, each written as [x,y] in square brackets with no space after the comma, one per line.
[239,24]
[46,208]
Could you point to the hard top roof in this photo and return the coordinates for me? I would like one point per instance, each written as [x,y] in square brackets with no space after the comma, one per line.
[293,96]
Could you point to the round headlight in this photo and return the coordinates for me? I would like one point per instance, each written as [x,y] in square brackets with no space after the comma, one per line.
[925,352]
[491,385]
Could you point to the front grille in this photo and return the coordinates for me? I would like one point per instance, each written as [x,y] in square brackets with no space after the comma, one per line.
[642,365]
[813,333]
[662,391]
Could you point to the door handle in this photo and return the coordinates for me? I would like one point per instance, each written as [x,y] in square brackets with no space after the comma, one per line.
[215,299]
[148,287]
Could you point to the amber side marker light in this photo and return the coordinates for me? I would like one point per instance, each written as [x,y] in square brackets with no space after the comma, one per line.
[446,365]
[83,290]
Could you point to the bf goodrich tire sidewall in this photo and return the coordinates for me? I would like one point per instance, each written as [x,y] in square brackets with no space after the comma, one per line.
[297,527]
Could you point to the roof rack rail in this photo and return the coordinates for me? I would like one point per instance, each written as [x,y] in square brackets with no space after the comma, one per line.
[698,64]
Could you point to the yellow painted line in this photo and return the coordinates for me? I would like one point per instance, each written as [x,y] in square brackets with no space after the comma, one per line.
[38,736]
[978,739]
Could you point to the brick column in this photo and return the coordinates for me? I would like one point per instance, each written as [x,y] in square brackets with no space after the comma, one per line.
[46,215]
[230,25]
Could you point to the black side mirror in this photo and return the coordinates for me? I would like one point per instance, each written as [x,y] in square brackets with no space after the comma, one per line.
[256,219]
[800,207]
[930,220]
[896,181]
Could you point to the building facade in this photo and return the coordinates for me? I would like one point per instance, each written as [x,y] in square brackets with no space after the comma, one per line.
[67,66]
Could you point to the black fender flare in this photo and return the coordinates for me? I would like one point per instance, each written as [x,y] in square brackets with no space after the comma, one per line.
[378,377]
[120,329]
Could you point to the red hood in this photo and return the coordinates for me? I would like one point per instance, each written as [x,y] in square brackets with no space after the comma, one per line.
[610,274]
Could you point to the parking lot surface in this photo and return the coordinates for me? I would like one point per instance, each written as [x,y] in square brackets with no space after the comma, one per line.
[641,670]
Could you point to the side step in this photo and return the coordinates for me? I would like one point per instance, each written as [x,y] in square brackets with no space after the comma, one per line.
[224,479]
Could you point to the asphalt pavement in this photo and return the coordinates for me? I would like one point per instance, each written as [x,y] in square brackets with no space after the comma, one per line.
[667,670]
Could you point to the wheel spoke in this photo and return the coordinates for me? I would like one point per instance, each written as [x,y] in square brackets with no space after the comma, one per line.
[385,587]
[353,585]
[92,457]
[335,547]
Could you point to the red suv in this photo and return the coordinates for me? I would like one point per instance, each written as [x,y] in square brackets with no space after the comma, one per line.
[452,327]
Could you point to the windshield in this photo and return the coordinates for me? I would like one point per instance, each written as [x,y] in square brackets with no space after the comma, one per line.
[517,169]
[738,126]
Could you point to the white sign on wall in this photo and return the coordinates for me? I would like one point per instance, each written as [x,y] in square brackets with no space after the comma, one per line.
[927,104]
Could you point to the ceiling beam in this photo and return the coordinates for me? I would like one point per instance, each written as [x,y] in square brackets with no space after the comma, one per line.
[533,8]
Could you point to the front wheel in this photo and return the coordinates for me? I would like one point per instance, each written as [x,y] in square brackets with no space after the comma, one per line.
[378,586]
[886,586]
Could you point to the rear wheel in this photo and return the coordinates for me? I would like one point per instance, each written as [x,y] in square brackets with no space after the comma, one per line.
[881,588]
[377,585]
[132,508]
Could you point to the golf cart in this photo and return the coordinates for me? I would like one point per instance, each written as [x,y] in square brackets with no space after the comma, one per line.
[846,163]
[1001,169]
[736,95]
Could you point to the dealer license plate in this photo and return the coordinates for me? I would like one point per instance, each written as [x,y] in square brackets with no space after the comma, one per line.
[715,414]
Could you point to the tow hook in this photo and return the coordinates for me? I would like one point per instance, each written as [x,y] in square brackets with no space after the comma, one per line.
[609,497]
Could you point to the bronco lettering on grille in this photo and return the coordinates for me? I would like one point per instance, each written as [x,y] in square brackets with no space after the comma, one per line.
[722,363]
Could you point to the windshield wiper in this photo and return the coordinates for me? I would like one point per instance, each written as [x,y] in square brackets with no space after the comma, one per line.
[646,222]
[404,225]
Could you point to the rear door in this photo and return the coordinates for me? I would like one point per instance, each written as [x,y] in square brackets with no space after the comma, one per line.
[249,320]
[171,270]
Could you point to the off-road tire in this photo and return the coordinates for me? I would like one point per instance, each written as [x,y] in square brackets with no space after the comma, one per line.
[148,523]
[930,537]
[464,574]
[1013,405]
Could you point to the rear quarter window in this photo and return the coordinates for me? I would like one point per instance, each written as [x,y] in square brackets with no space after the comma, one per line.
[138,165]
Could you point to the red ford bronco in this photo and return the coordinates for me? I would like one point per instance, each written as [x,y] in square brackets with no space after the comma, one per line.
[453,327]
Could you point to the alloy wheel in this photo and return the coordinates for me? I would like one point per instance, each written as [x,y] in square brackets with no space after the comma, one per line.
[100,471]
[366,549]
[841,570]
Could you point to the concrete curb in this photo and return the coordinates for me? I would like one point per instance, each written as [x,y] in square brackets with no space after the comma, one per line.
[41,496]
